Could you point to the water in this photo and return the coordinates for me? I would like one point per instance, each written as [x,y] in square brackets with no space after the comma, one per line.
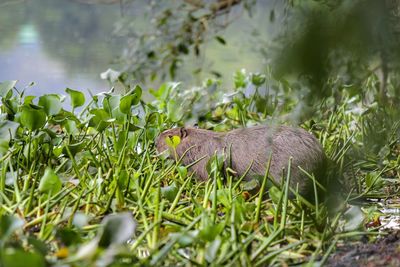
[68,43]
[56,44]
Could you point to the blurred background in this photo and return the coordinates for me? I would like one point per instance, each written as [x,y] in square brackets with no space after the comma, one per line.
[68,43]
[321,48]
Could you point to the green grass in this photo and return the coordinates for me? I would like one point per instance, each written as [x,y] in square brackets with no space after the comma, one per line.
[63,173]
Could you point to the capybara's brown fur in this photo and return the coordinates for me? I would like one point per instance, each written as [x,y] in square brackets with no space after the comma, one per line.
[252,146]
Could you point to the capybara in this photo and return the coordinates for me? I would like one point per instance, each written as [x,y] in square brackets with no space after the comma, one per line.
[252,146]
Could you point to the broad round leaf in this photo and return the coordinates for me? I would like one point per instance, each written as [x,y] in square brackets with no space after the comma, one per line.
[77,98]
[28,99]
[182,171]
[275,194]
[117,229]
[173,141]
[100,119]
[111,102]
[8,225]
[32,118]
[257,79]
[4,146]
[51,104]
[137,92]
[74,148]
[70,127]
[170,192]
[68,236]
[211,231]
[212,250]
[20,258]
[50,182]
[8,129]
[130,99]
[174,111]
[5,87]
[126,103]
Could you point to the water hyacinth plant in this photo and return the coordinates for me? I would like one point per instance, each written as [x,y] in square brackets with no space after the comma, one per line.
[81,183]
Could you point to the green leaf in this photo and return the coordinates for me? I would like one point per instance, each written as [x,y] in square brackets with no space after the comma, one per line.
[70,127]
[10,106]
[77,98]
[275,194]
[39,246]
[164,90]
[182,170]
[240,79]
[250,185]
[170,192]
[117,229]
[257,79]
[122,139]
[223,196]
[183,48]
[32,117]
[5,87]
[8,129]
[100,119]
[50,182]
[211,231]
[173,141]
[215,163]
[174,111]
[220,40]
[19,258]
[373,180]
[74,148]
[68,236]
[4,146]
[126,103]
[137,91]
[111,102]
[28,99]
[130,99]
[212,249]
[8,225]
[186,239]
[354,218]
[51,104]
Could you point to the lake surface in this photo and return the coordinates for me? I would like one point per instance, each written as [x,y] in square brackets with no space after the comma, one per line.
[67,43]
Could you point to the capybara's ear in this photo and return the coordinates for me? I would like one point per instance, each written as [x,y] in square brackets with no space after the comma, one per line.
[183,132]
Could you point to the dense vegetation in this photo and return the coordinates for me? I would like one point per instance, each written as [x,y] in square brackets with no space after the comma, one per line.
[67,164]
[81,183]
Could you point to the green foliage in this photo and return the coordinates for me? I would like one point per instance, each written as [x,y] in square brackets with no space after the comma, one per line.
[50,182]
[20,258]
[173,141]
[132,98]
[8,225]
[6,87]
[66,173]
[77,98]
[51,104]
[117,229]
[177,30]
[32,117]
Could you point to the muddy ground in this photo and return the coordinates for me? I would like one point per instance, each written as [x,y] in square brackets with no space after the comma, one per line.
[383,252]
